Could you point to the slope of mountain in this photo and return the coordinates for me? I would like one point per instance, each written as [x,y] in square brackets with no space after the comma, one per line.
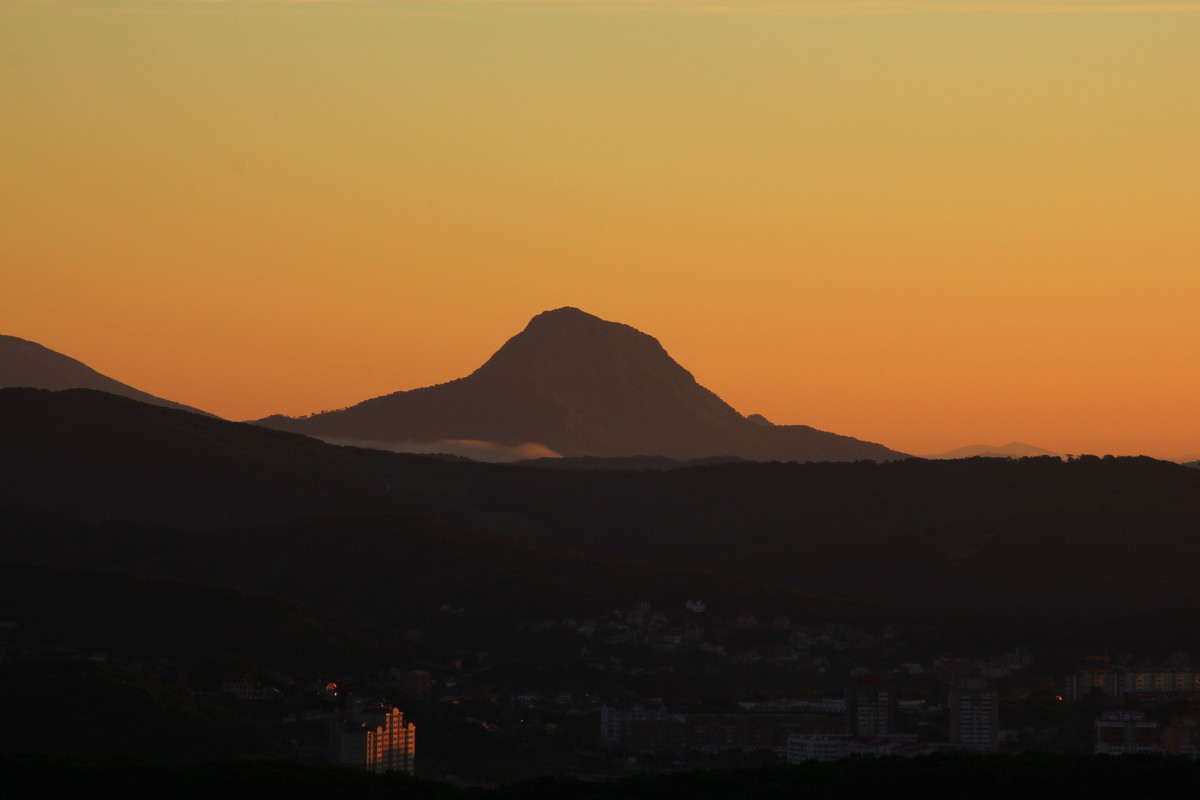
[25,363]
[1010,450]
[581,386]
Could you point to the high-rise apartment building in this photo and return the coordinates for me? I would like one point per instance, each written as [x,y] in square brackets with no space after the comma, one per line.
[1120,732]
[373,735]
[974,714]
[870,708]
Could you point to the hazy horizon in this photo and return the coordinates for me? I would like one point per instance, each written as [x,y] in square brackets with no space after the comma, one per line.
[491,451]
[925,225]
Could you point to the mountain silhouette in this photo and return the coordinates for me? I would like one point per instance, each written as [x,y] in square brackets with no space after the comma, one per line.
[25,363]
[581,386]
[1010,450]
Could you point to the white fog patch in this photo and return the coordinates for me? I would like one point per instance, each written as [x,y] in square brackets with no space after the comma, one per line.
[473,449]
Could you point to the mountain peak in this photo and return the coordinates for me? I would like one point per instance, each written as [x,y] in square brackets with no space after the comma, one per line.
[568,342]
[563,316]
[577,372]
[570,323]
[581,385]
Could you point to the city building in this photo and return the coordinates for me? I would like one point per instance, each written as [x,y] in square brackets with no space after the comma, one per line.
[803,747]
[974,714]
[1119,682]
[1120,732]
[870,708]
[1182,736]
[374,736]
[657,731]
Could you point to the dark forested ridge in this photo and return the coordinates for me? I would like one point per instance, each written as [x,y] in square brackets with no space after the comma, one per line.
[135,617]
[85,708]
[581,386]
[98,455]
[386,570]
[1044,536]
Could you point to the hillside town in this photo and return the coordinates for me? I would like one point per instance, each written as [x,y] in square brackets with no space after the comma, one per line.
[645,689]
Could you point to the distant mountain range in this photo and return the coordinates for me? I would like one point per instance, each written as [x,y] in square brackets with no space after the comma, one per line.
[1010,450]
[25,363]
[580,386]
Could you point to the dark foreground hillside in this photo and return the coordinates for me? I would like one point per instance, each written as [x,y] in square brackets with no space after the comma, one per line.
[85,708]
[1076,555]
[137,618]
[949,775]
[1034,536]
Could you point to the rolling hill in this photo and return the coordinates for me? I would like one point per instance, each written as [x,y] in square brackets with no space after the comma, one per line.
[25,363]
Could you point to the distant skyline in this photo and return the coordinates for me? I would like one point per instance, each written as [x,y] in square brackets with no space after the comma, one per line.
[926,224]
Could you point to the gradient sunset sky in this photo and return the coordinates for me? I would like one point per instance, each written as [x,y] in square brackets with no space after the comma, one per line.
[925,224]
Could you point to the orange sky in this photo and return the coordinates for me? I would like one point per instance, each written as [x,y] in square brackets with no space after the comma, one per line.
[923,224]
